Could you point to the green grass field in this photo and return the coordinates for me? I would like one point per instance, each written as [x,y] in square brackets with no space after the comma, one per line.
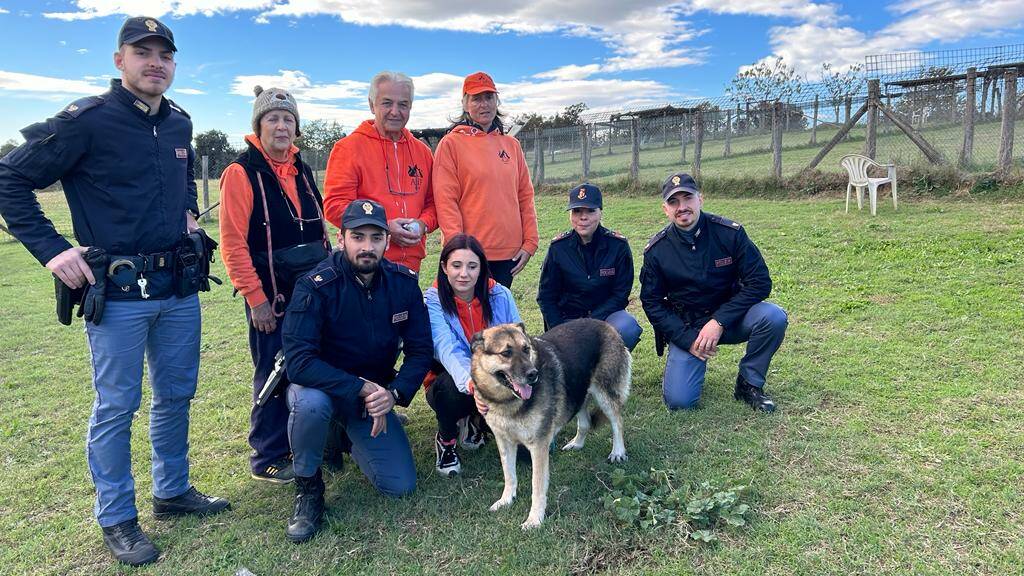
[896,449]
[752,158]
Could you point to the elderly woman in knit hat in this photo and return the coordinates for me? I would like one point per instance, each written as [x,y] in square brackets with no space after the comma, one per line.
[272,230]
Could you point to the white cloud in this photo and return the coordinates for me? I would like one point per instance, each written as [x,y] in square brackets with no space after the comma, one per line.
[189,91]
[438,96]
[4,11]
[920,23]
[63,42]
[570,72]
[47,87]
[82,50]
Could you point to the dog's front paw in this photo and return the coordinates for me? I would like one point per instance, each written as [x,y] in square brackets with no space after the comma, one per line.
[617,457]
[532,523]
[501,503]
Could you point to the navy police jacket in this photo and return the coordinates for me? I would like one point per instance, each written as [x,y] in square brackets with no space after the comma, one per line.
[337,331]
[721,275]
[571,289]
[128,178]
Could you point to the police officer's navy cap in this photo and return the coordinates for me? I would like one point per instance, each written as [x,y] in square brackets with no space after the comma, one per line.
[585,196]
[141,27]
[678,182]
[364,213]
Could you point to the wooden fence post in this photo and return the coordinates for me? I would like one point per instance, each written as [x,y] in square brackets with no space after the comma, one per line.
[872,133]
[698,143]
[551,145]
[747,131]
[1009,97]
[970,104]
[664,129]
[683,138]
[206,187]
[849,106]
[611,132]
[777,124]
[585,150]
[728,134]
[634,165]
[814,122]
[538,159]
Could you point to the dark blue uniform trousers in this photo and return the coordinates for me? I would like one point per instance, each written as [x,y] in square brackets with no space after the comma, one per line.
[268,424]
[385,460]
[762,328]
[627,327]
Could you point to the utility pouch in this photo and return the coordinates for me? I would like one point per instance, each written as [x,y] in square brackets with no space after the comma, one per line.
[192,264]
[292,263]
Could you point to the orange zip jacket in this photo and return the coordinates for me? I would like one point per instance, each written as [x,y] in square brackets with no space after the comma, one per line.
[363,164]
[236,199]
[482,187]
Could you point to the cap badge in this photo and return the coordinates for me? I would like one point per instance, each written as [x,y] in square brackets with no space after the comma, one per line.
[152,25]
[582,194]
[318,278]
[72,108]
[367,208]
[675,180]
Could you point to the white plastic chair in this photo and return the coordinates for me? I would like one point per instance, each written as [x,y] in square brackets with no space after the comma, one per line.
[857,166]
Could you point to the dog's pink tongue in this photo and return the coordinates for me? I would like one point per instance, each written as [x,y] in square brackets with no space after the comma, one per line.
[524,390]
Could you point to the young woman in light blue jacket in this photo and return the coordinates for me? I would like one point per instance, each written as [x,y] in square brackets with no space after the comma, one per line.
[463,301]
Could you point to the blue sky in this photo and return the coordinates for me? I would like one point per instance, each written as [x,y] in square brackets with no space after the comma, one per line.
[544,55]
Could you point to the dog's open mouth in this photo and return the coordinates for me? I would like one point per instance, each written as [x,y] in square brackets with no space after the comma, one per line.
[522,390]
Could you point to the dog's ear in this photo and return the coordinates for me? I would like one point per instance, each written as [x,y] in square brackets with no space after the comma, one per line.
[477,341]
[522,326]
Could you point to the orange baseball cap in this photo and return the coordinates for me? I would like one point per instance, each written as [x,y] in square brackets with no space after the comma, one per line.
[478,82]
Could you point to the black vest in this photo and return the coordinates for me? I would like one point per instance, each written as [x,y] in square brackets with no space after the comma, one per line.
[285,232]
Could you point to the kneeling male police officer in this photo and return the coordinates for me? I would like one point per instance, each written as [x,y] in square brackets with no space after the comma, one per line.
[346,323]
[125,161]
[703,283]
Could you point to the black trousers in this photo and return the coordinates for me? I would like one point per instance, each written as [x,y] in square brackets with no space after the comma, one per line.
[450,405]
[268,424]
[501,271]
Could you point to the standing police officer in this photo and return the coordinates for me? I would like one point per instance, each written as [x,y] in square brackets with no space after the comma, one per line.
[125,161]
[703,283]
[588,271]
[346,323]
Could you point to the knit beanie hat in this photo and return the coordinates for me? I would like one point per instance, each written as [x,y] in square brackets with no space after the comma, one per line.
[273,99]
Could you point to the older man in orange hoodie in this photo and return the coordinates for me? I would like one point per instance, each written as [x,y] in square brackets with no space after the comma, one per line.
[382,161]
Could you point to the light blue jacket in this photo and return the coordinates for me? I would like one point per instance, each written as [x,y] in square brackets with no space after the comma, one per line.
[451,347]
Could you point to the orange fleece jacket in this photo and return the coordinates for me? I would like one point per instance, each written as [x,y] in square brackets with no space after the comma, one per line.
[482,187]
[356,169]
[236,205]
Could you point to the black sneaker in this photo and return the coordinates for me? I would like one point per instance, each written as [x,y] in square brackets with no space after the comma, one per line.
[309,508]
[280,472]
[448,463]
[191,502]
[471,434]
[753,396]
[129,544]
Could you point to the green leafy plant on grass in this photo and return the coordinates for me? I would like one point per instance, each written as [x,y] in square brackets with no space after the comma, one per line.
[651,500]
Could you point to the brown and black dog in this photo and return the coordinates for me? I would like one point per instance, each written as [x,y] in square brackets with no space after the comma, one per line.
[534,386]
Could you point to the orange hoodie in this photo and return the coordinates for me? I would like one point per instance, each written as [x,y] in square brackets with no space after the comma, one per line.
[235,209]
[482,187]
[366,165]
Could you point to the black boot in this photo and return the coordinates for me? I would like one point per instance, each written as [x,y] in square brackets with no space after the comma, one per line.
[753,395]
[129,544]
[309,508]
[191,502]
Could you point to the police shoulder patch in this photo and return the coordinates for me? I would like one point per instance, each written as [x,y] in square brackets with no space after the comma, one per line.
[177,108]
[613,234]
[76,108]
[654,239]
[323,276]
[724,221]
[562,236]
[405,270]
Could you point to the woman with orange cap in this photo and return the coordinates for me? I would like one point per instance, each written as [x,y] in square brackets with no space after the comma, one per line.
[482,184]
